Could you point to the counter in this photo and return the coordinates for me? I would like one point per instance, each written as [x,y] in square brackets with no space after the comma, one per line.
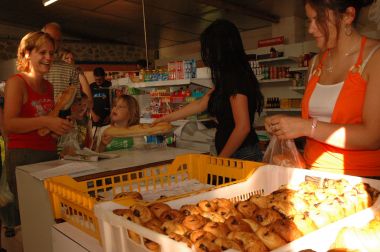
[35,209]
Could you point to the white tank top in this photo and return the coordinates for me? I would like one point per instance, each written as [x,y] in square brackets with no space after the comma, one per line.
[322,101]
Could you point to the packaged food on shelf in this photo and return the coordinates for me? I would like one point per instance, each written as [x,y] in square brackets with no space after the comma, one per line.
[74,200]
[284,209]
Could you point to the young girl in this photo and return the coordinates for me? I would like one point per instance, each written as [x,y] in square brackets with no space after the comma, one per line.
[28,100]
[125,113]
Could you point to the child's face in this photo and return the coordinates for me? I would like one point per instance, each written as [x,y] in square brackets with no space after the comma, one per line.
[120,113]
[79,109]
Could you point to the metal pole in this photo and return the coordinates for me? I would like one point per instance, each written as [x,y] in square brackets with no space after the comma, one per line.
[146,43]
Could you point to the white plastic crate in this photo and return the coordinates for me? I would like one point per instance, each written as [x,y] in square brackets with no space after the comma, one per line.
[266,179]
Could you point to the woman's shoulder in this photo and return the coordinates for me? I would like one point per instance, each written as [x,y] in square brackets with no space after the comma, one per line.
[16,80]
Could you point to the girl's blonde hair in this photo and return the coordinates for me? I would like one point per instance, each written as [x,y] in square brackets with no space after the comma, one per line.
[63,52]
[32,40]
[133,109]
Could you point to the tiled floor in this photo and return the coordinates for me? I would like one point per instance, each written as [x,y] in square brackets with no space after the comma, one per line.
[13,244]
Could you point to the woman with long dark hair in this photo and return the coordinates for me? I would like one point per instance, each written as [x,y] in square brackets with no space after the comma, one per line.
[236,95]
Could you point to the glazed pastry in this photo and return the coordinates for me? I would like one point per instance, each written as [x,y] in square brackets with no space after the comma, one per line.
[158,208]
[207,206]
[286,229]
[142,212]
[304,223]
[320,218]
[120,212]
[333,209]
[151,245]
[253,224]
[269,238]
[171,214]
[225,244]
[227,212]
[283,194]
[204,245]
[131,195]
[180,238]
[260,201]
[194,222]
[199,234]
[155,225]
[249,240]
[266,216]
[169,227]
[213,216]
[236,224]
[246,208]
[225,203]
[190,209]
[217,229]
[285,208]
[128,214]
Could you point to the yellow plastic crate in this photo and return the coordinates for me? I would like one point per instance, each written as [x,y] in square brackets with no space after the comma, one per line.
[73,201]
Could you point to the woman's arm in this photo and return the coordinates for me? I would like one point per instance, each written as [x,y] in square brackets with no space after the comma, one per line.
[86,88]
[194,107]
[15,96]
[240,111]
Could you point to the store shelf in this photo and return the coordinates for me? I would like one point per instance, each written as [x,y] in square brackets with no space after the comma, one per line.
[298,69]
[282,109]
[276,80]
[298,89]
[278,59]
[126,82]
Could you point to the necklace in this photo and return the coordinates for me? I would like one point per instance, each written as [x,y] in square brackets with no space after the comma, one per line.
[329,66]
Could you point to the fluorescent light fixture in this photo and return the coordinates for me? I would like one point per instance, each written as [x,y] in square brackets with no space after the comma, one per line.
[48,2]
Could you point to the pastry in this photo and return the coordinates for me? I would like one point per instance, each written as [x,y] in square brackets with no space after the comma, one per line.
[227,212]
[215,217]
[142,213]
[266,216]
[199,234]
[64,102]
[194,222]
[207,206]
[190,209]
[235,224]
[151,245]
[271,239]
[217,229]
[320,218]
[260,201]
[204,245]
[253,224]
[304,223]
[169,227]
[158,208]
[180,238]
[171,214]
[286,229]
[224,203]
[155,225]
[249,240]
[132,195]
[285,208]
[138,130]
[120,212]
[246,208]
[225,244]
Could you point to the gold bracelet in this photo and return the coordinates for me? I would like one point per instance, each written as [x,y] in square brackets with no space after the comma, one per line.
[314,125]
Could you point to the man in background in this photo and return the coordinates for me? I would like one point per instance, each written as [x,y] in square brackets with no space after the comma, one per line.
[100,90]
[62,74]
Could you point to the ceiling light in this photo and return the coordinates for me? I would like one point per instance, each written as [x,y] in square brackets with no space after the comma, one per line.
[48,2]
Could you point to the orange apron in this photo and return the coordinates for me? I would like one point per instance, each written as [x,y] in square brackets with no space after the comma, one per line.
[348,110]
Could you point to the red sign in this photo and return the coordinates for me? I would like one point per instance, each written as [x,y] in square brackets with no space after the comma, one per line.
[271,41]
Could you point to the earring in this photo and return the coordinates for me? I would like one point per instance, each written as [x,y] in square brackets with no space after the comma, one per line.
[348,30]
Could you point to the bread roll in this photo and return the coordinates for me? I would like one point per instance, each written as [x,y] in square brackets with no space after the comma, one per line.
[142,129]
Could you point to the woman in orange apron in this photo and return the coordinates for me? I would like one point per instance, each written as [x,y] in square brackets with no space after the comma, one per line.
[340,115]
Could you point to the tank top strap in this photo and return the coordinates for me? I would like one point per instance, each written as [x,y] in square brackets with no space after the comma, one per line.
[25,82]
[363,65]
[318,70]
[361,52]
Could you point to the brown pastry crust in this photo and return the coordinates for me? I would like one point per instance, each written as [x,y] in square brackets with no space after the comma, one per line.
[207,206]
[225,203]
[151,245]
[142,212]
[139,130]
[215,217]
[304,223]
[249,240]
[155,225]
[269,238]
[190,209]
[204,245]
[199,234]
[225,244]
[171,214]
[194,222]
[228,212]
[260,201]
[237,225]
[132,195]
[158,208]
[286,229]
[173,227]
[266,216]
[217,229]
[246,208]
[180,238]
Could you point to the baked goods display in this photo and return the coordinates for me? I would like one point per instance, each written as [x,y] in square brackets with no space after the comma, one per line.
[261,223]
[142,129]
[64,101]
[364,239]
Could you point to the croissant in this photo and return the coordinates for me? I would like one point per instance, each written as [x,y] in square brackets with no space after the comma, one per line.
[64,101]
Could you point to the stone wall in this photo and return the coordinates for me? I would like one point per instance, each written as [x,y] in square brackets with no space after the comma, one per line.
[84,51]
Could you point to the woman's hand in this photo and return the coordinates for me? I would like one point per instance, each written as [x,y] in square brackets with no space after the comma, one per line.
[58,125]
[287,127]
[106,139]
[161,119]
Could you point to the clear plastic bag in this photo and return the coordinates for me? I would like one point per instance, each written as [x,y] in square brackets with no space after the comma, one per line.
[283,153]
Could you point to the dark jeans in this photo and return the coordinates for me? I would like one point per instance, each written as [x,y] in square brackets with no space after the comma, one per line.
[250,152]
[14,158]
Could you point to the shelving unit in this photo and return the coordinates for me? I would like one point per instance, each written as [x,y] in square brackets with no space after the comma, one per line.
[298,69]
[298,89]
[197,81]
[276,80]
[294,59]
[282,109]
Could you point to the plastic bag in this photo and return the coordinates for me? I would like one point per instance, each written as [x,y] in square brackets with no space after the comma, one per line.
[68,144]
[283,153]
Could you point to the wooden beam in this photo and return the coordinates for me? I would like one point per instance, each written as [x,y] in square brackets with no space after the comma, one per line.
[220,4]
